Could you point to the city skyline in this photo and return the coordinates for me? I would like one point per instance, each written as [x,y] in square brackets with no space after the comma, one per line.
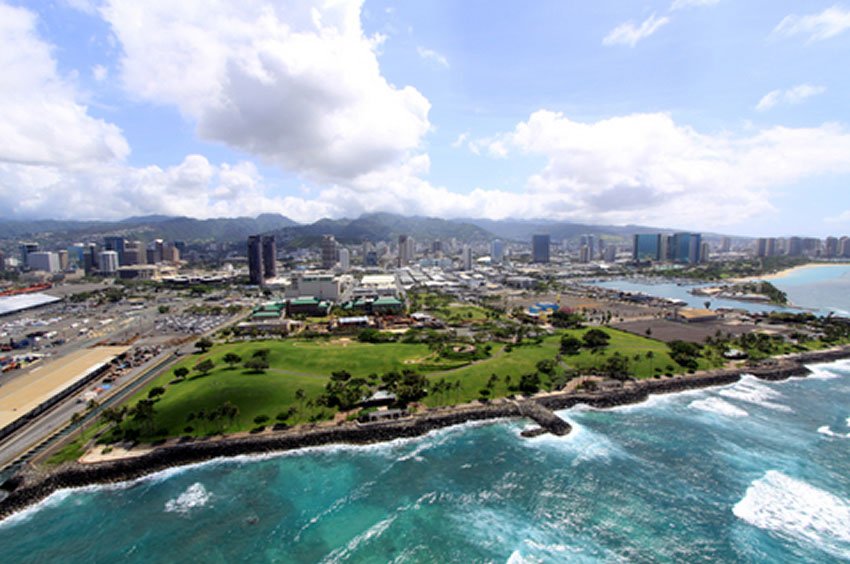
[614,114]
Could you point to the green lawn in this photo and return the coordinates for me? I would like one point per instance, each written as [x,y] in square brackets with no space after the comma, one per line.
[307,364]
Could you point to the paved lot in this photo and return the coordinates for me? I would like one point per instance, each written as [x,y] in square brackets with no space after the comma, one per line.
[666,330]
[22,394]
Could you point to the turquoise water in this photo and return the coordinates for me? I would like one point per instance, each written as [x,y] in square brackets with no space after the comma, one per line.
[823,289]
[753,472]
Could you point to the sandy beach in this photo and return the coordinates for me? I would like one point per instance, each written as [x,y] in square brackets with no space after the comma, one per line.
[789,271]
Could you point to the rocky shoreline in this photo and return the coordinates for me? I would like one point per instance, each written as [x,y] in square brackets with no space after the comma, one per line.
[32,486]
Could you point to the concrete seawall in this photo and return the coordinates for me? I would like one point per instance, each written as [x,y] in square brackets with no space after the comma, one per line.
[30,486]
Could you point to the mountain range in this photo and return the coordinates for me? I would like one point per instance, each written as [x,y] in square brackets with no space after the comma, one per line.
[373,227]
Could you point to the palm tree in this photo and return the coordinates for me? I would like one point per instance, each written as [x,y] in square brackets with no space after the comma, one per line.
[76,419]
[650,356]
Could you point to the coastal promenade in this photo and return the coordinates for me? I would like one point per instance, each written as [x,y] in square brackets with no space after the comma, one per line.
[32,485]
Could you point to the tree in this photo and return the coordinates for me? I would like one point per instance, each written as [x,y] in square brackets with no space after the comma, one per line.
[300,395]
[144,413]
[261,353]
[596,339]
[567,320]
[570,345]
[181,372]
[203,344]
[205,366]
[650,356]
[617,367]
[156,392]
[411,386]
[529,383]
[76,419]
[648,331]
[258,365]
[232,359]
[546,366]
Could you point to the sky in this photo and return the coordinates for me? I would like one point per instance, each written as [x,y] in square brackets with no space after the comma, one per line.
[713,115]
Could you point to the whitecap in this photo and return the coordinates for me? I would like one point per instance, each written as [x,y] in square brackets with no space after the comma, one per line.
[751,390]
[718,406]
[825,430]
[795,510]
[828,370]
[586,445]
[194,497]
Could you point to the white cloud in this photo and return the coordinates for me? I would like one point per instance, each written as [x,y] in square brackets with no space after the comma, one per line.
[99,72]
[296,83]
[843,217]
[461,139]
[646,168]
[680,4]
[629,34]
[41,120]
[431,55]
[823,25]
[791,96]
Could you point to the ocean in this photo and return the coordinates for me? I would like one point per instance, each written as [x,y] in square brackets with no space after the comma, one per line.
[820,289]
[752,472]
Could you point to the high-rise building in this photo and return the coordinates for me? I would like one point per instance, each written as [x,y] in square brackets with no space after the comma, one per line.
[687,247]
[134,253]
[370,258]
[2,261]
[436,246]
[725,244]
[255,260]
[831,247]
[108,262]
[584,254]
[795,247]
[269,256]
[540,248]
[344,259]
[406,247]
[90,264]
[497,251]
[844,247]
[63,259]
[610,253]
[766,247]
[329,252]
[591,243]
[43,261]
[704,252]
[26,249]
[76,255]
[647,247]
[466,257]
[170,253]
[113,243]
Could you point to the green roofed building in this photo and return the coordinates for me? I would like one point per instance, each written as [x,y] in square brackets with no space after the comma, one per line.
[386,304]
[308,305]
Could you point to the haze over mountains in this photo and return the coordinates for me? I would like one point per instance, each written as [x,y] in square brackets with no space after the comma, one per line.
[373,227]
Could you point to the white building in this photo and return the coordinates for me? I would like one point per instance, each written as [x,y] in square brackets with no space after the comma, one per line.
[44,261]
[322,285]
[107,262]
[466,257]
[344,259]
[377,285]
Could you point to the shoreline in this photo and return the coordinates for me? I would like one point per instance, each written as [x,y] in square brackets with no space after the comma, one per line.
[793,270]
[30,486]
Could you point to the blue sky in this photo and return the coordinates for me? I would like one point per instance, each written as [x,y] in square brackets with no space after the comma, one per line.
[716,115]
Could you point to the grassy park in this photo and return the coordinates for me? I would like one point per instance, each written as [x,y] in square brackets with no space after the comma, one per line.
[292,387]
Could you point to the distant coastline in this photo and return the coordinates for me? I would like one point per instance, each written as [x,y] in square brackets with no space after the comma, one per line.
[795,269]
[33,486]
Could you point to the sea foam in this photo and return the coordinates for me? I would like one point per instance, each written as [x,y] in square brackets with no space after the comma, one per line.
[718,406]
[750,390]
[195,496]
[797,511]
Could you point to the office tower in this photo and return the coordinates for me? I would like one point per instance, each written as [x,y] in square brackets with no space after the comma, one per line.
[405,249]
[170,254]
[687,247]
[90,264]
[63,259]
[329,252]
[610,253]
[437,247]
[76,255]
[269,256]
[255,260]
[370,259]
[43,261]
[108,262]
[704,252]
[344,259]
[497,251]
[590,242]
[584,254]
[647,247]
[725,244]
[134,253]
[26,249]
[180,246]
[116,244]
[466,257]
[540,248]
